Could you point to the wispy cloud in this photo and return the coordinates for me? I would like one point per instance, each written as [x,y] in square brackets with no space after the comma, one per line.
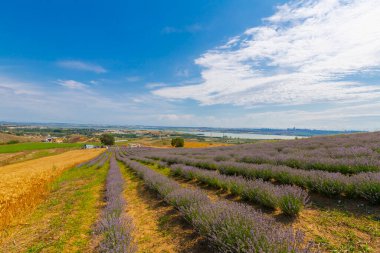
[83,66]
[182,73]
[155,85]
[10,87]
[170,29]
[175,117]
[187,29]
[307,52]
[133,78]
[78,102]
[72,84]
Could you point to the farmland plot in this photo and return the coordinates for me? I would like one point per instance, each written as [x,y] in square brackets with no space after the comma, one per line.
[22,185]
[64,221]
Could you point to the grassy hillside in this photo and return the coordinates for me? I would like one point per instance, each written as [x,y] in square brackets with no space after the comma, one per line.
[4,138]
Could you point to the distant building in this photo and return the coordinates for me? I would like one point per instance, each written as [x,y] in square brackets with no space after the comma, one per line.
[51,139]
[88,146]
[132,145]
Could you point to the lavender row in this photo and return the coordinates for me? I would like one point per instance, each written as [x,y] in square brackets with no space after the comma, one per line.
[300,161]
[160,164]
[99,159]
[363,185]
[104,158]
[229,226]
[115,226]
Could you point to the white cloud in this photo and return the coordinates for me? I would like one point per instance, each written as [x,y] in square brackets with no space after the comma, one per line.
[83,66]
[307,52]
[351,116]
[175,117]
[72,84]
[155,85]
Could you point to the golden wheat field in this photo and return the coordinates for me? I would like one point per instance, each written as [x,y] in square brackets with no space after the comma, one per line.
[23,184]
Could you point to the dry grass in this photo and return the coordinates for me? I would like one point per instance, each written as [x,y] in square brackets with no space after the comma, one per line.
[11,158]
[197,144]
[4,138]
[5,158]
[22,185]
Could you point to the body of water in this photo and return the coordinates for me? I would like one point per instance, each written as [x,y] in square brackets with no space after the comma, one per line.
[243,135]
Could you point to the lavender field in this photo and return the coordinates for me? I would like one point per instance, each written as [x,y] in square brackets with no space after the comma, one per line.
[313,188]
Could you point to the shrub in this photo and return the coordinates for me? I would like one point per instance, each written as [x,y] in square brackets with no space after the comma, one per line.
[368,186]
[13,142]
[178,142]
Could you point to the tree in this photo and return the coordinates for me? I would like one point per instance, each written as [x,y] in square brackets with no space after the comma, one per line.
[178,142]
[107,139]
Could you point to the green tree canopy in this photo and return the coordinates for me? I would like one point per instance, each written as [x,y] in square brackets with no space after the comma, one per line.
[107,139]
[178,142]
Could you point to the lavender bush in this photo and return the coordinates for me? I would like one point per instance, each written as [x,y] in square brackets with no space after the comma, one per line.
[290,199]
[115,225]
[367,186]
[235,227]
[99,160]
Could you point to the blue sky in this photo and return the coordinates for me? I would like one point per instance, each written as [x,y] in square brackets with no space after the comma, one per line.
[238,63]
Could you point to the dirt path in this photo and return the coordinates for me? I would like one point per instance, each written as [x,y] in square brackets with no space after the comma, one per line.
[158,226]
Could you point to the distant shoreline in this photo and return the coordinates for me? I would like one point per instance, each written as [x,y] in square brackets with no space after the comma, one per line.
[289,132]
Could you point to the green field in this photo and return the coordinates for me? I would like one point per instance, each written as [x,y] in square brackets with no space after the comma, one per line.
[12,148]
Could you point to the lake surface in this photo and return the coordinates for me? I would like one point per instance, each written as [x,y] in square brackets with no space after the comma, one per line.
[243,135]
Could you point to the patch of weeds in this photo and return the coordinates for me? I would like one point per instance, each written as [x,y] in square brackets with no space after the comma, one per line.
[353,244]
[163,222]
[323,242]
[36,248]
[73,209]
